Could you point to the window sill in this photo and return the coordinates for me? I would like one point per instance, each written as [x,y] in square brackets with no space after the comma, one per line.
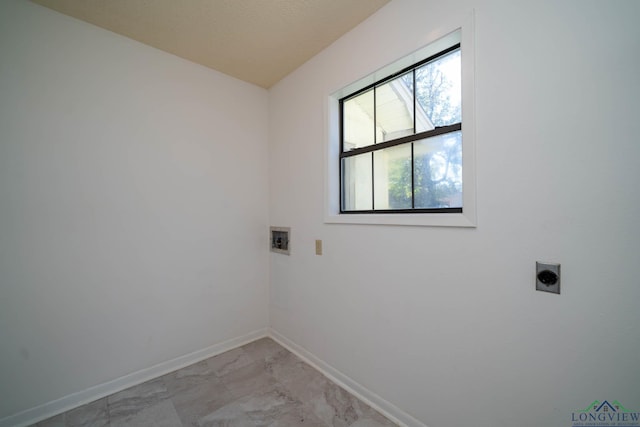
[421,220]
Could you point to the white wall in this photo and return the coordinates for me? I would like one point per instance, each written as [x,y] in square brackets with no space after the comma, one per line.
[443,322]
[133,206]
[124,171]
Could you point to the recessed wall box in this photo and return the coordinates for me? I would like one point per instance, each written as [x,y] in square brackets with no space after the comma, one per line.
[548,277]
[281,240]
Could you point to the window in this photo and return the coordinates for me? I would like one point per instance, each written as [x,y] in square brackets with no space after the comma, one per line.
[400,146]
[401,140]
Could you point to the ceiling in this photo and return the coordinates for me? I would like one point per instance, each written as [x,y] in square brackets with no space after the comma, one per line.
[258,41]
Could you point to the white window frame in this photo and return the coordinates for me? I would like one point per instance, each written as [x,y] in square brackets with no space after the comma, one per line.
[463,31]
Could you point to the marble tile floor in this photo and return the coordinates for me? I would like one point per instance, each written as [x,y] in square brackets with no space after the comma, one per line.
[259,384]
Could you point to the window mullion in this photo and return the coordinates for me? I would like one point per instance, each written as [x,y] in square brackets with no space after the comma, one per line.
[415,130]
[414,101]
[373,183]
[375,112]
[340,160]
[413,185]
[375,141]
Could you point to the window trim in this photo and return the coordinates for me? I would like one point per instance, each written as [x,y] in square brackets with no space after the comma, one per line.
[466,218]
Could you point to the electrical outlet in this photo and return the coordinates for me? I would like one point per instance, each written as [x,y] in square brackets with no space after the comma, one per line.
[548,277]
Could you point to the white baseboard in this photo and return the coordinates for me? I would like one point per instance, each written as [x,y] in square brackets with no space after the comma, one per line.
[386,408]
[55,407]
